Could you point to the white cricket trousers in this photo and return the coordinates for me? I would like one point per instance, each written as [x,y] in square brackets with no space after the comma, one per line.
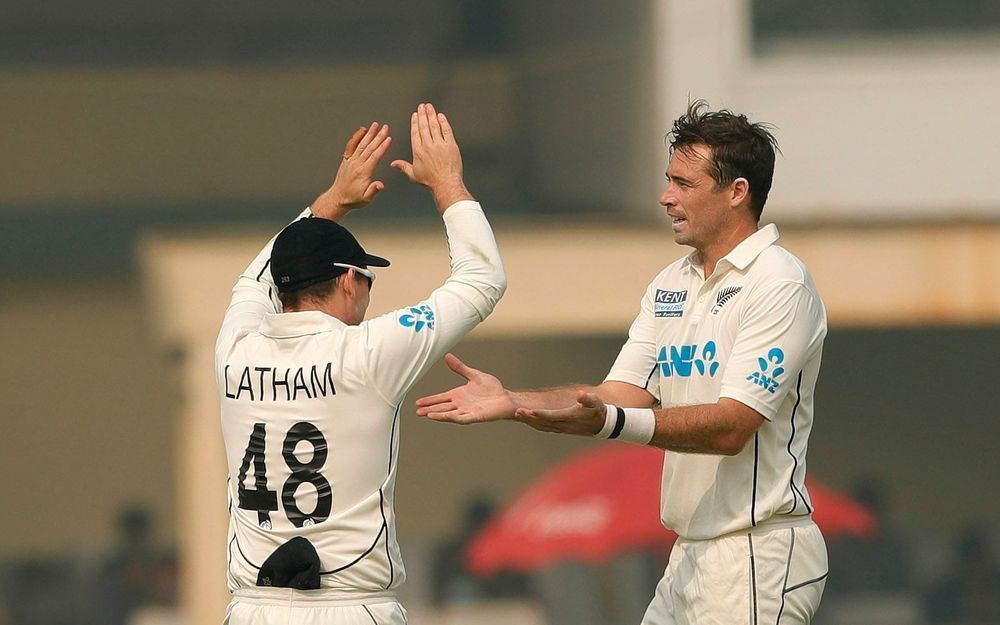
[762,576]
[286,606]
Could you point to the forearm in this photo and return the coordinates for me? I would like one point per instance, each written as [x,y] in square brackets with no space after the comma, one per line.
[475,257]
[327,207]
[548,398]
[447,196]
[618,393]
[722,428]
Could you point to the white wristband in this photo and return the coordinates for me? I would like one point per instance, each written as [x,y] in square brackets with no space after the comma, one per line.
[633,425]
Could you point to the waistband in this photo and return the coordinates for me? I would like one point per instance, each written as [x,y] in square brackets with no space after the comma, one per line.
[765,527]
[310,598]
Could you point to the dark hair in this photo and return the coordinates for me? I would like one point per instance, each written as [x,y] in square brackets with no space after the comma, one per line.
[740,149]
[295,300]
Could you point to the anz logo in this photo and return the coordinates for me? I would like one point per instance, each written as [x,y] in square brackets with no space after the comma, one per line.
[418,318]
[770,369]
[683,361]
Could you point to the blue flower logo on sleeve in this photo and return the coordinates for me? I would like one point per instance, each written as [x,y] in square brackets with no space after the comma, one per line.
[767,377]
[418,318]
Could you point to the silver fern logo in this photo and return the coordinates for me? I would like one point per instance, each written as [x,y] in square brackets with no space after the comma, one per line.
[724,296]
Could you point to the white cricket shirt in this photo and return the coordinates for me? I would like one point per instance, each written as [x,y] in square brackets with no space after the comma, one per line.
[310,411]
[753,332]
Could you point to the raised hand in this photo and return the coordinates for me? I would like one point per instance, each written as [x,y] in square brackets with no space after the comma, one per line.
[585,418]
[355,186]
[437,161]
[482,398]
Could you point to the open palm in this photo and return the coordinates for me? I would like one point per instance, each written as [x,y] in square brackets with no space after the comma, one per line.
[481,398]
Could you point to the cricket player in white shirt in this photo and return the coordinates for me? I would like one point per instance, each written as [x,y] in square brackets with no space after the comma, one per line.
[310,391]
[719,370]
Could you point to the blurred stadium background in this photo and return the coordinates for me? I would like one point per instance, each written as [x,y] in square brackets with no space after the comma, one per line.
[148,150]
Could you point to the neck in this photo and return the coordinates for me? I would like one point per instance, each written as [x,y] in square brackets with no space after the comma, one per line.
[330,306]
[712,253]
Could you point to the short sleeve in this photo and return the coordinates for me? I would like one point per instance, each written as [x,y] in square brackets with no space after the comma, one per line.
[781,329]
[636,362]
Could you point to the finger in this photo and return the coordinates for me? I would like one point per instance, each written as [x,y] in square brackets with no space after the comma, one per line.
[547,415]
[446,130]
[534,414]
[373,190]
[380,137]
[447,406]
[452,416]
[459,367]
[368,136]
[432,401]
[403,166]
[379,152]
[423,125]
[352,143]
[433,125]
[415,131]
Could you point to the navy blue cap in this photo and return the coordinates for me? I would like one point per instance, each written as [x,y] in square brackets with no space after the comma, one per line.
[306,251]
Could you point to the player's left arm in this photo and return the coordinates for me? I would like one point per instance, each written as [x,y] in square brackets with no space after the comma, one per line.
[780,330]
[722,428]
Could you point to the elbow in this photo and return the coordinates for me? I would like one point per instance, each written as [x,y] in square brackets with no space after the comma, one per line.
[494,289]
[486,274]
[493,284]
[501,283]
[733,443]
[493,275]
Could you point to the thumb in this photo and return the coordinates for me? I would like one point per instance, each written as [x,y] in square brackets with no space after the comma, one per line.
[459,367]
[590,400]
[373,190]
[403,166]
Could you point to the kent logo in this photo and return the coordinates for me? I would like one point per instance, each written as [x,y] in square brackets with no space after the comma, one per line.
[669,303]
[767,377]
[683,360]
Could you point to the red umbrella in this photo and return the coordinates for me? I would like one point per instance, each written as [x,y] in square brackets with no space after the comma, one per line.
[602,502]
[837,514]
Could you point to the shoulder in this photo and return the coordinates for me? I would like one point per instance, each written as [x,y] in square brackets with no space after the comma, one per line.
[668,274]
[776,264]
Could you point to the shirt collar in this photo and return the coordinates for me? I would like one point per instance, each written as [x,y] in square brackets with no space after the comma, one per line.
[291,324]
[746,252]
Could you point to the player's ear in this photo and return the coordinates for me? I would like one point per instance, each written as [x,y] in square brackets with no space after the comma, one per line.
[739,192]
[345,281]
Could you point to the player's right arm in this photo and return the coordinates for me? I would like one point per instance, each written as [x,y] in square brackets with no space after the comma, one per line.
[483,397]
[403,344]
[254,294]
[630,384]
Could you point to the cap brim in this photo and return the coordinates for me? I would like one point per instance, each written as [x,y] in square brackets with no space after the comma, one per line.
[375,261]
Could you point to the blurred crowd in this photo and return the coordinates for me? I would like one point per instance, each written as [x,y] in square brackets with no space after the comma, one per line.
[896,576]
[133,582]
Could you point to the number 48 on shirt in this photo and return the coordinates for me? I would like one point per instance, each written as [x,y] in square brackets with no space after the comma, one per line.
[263,500]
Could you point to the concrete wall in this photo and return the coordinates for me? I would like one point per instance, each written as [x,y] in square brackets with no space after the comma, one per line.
[870,129]
[570,118]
